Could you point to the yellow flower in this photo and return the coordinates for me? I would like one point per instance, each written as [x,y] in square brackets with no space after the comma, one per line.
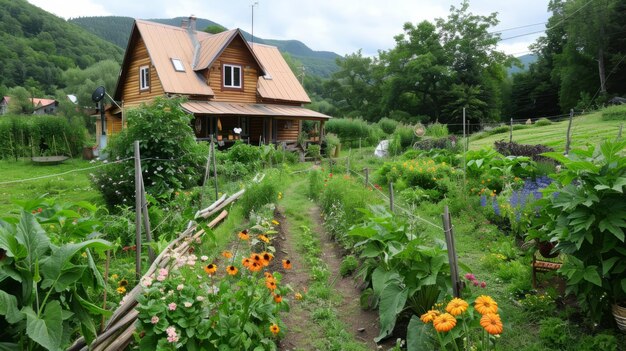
[298,296]
[227,254]
[275,222]
[274,329]
[485,304]
[264,238]
[210,269]
[429,316]
[444,322]
[232,270]
[121,290]
[456,306]
[114,276]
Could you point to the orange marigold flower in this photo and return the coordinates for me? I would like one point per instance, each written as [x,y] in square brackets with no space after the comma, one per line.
[278,298]
[485,304]
[256,258]
[232,270]
[210,269]
[444,322]
[270,284]
[264,238]
[286,264]
[492,323]
[227,254]
[255,266]
[456,306]
[429,316]
[274,329]
[268,275]
[243,235]
[246,262]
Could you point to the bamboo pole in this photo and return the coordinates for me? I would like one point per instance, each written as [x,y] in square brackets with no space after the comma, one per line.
[137,212]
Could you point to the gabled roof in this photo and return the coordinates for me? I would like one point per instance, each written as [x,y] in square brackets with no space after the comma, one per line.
[37,102]
[164,43]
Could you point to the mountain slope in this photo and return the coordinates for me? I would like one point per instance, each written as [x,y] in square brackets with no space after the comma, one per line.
[526,61]
[36,47]
[117,29]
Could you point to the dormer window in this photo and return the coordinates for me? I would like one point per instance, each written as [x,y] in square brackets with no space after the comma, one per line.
[232,76]
[178,65]
[144,77]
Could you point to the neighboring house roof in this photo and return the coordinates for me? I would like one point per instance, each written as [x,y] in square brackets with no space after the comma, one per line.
[37,102]
[233,108]
[165,42]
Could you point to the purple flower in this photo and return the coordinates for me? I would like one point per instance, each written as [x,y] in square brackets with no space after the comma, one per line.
[496,207]
[483,200]
[470,277]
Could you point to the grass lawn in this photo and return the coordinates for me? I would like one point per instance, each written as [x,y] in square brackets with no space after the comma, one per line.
[68,181]
[588,129]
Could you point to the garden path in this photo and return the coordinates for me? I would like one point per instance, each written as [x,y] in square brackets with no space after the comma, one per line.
[302,328]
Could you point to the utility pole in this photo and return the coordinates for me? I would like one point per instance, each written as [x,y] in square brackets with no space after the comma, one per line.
[256,3]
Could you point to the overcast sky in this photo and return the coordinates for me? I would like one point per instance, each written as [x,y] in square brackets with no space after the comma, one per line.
[342,26]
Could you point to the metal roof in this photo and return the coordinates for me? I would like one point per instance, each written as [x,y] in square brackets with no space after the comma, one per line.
[279,83]
[168,42]
[230,108]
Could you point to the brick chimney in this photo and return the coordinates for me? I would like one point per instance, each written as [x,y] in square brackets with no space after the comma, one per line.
[192,22]
[191,31]
[184,23]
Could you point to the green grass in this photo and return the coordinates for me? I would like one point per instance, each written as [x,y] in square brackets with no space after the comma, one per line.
[588,129]
[68,181]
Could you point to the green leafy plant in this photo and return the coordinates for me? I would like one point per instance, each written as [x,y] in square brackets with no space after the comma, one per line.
[404,271]
[45,288]
[348,265]
[584,213]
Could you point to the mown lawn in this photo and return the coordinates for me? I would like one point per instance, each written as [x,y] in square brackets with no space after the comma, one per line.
[68,181]
[588,129]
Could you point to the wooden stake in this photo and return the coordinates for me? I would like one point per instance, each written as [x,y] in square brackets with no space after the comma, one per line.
[214,166]
[511,132]
[452,258]
[367,176]
[146,221]
[569,127]
[391,196]
[137,212]
[106,279]
[68,145]
[619,134]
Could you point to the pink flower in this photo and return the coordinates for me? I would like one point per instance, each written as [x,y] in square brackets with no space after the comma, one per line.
[483,284]
[146,282]
[470,277]
[204,258]
[172,306]
[180,287]
[154,320]
[161,278]
[163,271]
[170,331]
[172,338]
[476,283]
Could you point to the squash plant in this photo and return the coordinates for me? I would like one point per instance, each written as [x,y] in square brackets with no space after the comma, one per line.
[44,287]
[586,216]
[404,271]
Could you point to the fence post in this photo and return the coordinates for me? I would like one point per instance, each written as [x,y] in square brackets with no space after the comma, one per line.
[367,176]
[511,132]
[569,127]
[214,167]
[391,196]
[452,258]
[348,162]
[137,212]
[146,221]
[359,144]
[619,134]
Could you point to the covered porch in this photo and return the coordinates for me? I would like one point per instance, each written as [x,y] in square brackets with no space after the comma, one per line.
[253,123]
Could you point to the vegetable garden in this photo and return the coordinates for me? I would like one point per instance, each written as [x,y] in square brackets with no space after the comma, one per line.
[312,257]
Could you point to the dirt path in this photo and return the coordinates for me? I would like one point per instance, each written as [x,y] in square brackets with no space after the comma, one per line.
[302,329]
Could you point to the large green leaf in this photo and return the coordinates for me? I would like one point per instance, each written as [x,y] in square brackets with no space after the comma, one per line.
[9,243]
[57,269]
[591,275]
[47,331]
[417,337]
[7,346]
[392,300]
[30,234]
[9,308]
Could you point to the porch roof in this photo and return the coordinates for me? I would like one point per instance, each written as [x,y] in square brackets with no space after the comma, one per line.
[230,108]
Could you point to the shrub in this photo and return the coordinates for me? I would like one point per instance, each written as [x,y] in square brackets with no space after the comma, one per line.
[332,142]
[554,332]
[614,113]
[259,194]
[349,130]
[406,135]
[244,153]
[437,130]
[313,150]
[316,183]
[388,125]
[515,149]
[449,143]
[171,158]
[542,122]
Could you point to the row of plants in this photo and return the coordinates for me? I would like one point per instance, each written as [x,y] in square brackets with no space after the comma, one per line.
[28,136]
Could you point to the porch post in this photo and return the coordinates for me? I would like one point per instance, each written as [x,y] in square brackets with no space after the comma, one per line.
[322,130]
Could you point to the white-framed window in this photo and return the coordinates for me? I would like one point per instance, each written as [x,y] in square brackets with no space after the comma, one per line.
[232,76]
[178,65]
[144,77]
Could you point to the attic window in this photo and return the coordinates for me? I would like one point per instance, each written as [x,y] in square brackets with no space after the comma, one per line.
[232,76]
[178,65]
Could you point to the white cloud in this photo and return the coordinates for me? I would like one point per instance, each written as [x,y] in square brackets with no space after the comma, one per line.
[342,26]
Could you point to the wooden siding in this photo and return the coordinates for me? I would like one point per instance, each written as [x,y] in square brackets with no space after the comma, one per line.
[236,54]
[287,129]
[131,95]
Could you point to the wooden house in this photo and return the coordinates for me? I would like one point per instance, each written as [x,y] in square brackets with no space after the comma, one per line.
[235,89]
[40,106]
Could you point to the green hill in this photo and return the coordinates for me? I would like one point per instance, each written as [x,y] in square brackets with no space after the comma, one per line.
[526,61]
[117,29]
[36,47]
[586,129]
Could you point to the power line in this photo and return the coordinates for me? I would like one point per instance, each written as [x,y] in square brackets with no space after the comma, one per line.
[520,27]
